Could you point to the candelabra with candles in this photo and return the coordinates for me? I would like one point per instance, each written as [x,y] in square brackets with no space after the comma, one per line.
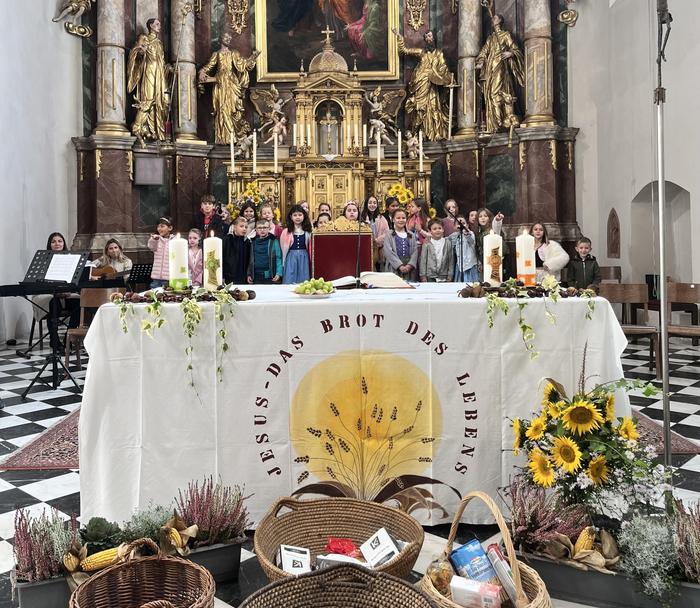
[354,149]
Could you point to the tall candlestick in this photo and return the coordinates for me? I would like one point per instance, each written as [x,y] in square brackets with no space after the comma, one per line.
[364,135]
[294,137]
[177,262]
[357,138]
[213,259]
[255,151]
[449,117]
[308,134]
[233,153]
[420,151]
[493,258]
[398,143]
[275,155]
[525,258]
[379,153]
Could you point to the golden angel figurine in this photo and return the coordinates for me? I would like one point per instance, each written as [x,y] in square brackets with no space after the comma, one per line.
[231,79]
[425,106]
[146,78]
[500,62]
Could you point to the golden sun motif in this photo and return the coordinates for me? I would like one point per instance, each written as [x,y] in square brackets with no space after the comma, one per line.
[364,421]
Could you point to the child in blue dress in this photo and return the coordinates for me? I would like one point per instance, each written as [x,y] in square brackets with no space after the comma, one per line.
[295,241]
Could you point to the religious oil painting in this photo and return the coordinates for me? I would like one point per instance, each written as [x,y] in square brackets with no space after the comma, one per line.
[289,32]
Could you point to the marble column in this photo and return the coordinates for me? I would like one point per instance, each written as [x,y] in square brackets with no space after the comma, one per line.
[538,63]
[185,92]
[469,42]
[111,89]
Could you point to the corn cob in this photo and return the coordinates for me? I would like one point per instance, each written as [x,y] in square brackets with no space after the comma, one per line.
[175,539]
[584,542]
[100,560]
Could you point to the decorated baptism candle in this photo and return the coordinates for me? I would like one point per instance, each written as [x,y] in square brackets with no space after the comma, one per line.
[525,257]
[177,263]
[493,258]
[213,257]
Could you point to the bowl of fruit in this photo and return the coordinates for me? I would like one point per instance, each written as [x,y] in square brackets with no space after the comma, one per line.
[314,288]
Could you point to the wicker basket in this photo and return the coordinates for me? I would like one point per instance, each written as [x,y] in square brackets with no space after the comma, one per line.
[529,586]
[159,581]
[342,586]
[309,523]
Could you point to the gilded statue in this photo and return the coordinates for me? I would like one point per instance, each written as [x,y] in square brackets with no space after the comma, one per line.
[75,8]
[500,62]
[231,79]
[269,105]
[147,78]
[425,106]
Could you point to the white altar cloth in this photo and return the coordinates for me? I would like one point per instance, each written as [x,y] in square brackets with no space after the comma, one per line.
[397,395]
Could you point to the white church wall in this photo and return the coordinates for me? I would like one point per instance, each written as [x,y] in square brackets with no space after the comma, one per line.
[612,68]
[41,109]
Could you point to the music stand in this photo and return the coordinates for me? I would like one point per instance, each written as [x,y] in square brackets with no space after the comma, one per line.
[58,270]
[140,273]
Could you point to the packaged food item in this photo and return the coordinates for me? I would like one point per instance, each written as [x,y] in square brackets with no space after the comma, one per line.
[331,559]
[470,561]
[502,567]
[294,560]
[441,572]
[379,548]
[342,546]
[474,594]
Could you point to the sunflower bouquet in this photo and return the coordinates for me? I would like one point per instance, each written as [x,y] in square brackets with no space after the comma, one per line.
[402,194]
[579,448]
[251,194]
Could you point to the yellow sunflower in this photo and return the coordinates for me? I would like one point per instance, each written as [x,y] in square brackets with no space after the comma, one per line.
[516,432]
[541,469]
[554,410]
[610,408]
[432,213]
[551,395]
[566,454]
[598,470]
[402,198]
[582,417]
[628,429]
[536,429]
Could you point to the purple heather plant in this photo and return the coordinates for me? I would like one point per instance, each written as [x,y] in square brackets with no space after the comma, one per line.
[687,539]
[537,516]
[218,510]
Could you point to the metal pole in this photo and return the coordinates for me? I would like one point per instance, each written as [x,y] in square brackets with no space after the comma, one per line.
[664,18]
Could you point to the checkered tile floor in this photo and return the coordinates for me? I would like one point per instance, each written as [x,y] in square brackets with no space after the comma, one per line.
[21,421]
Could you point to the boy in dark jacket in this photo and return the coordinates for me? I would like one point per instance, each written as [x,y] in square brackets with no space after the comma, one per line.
[207,219]
[265,264]
[584,272]
[236,253]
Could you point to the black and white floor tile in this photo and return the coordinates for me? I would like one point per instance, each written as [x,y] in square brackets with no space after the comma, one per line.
[22,420]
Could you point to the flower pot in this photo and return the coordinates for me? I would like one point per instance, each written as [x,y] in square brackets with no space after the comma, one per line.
[222,560]
[51,593]
[603,590]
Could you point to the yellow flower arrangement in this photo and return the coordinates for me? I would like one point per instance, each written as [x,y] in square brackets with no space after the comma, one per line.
[432,213]
[402,194]
[578,448]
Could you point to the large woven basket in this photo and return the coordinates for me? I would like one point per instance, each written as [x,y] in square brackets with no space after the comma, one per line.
[342,586]
[529,586]
[309,523]
[159,581]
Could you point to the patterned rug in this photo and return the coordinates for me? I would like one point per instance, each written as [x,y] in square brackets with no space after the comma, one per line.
[55,448]
[651,432]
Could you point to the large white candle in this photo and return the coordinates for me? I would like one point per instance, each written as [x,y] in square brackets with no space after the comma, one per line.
[420,151]
[276,155]
[398,143]
[294,137]
[379,153]
[213,260]
[493,258]
[525,258]
[233,152]
[357,138]
[255,151]
[178,263]
[364,135]
[449,120]
[308,134]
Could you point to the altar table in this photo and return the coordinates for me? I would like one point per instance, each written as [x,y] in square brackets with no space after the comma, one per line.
[404,396]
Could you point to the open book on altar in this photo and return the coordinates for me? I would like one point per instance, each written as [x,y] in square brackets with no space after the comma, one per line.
[385,280]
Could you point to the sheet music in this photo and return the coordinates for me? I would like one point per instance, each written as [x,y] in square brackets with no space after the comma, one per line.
[62,267]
